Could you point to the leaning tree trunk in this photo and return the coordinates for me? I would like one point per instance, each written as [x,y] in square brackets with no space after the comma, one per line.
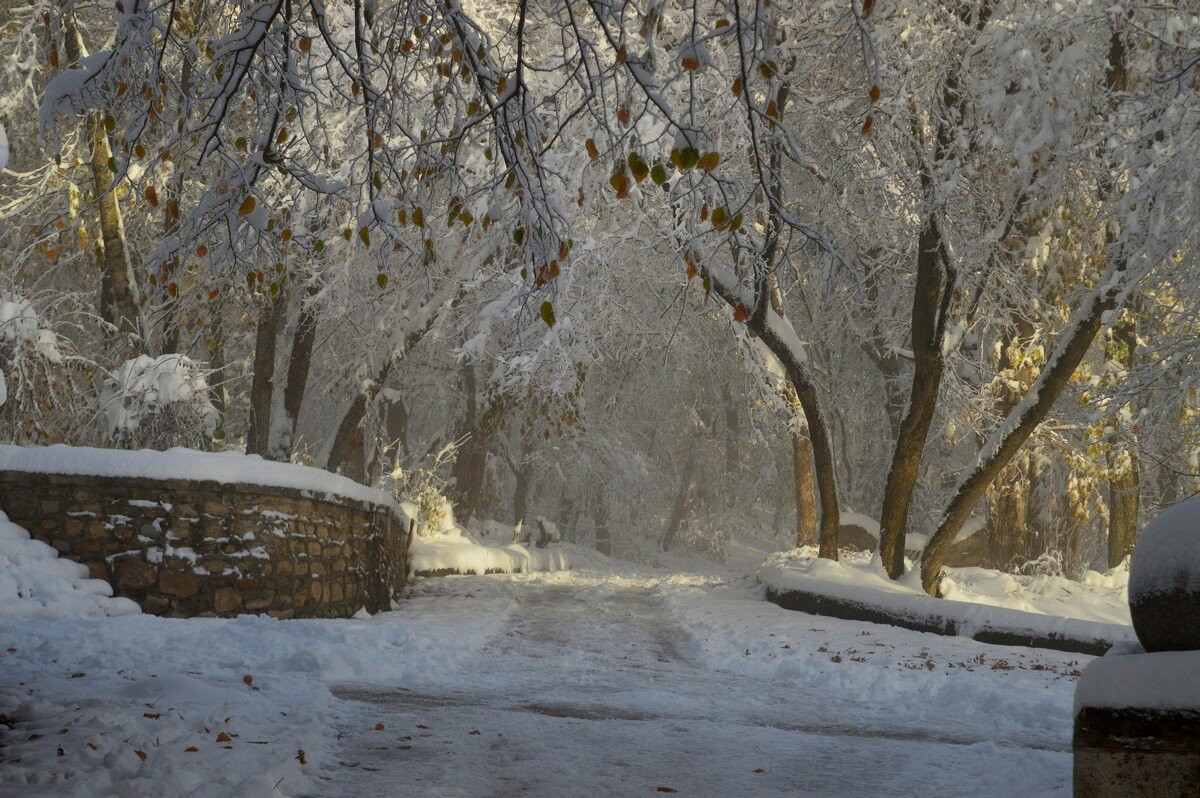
[1017,428]
[679,507]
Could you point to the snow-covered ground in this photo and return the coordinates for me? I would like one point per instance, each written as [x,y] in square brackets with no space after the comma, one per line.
[608,679]
[978,603]
[455,552]
[34,580]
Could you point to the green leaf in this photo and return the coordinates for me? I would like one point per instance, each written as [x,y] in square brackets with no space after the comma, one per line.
[658,174]
[518,236]
[547,313]
[381,280]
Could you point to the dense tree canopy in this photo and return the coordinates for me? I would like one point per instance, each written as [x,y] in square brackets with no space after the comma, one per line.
[640,265]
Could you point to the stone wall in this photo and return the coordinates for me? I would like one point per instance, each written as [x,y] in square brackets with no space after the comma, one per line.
[182,548]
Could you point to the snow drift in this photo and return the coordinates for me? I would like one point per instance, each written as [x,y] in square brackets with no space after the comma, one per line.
[34,580]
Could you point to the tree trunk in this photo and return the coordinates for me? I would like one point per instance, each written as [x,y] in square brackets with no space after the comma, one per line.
[732,442]
[216,363]
[802,480]
[1017,428]
[118,289]
[1124,483]
[469,466]
[931,305]
[520,492]
[679,508]
[933,297]
[1007,518]
[395,430]
[262,393]
[174,195]
[298,365]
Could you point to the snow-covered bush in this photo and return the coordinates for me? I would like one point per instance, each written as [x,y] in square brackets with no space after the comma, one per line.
[32,380]
[707,540]
[34,580]
[158,403]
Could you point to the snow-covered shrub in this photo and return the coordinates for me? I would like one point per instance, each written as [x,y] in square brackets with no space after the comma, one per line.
[34,580]
[158,403]
[707,540]
[32,379]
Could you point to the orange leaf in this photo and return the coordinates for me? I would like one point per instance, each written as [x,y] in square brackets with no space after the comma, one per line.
[201,251]
[378,727]
[141,754]
[708,161]
[740,314]
[623,115]
[305,44]
[874,94]
[151,196]
[224,738]
[191,749]
[592,152]
[866,128]
[622,54]
[247,207]
[691,64]
[737,88]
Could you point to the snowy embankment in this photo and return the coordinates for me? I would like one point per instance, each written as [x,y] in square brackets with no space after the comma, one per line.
[454,553]
[884,677]
[141,705]
[985,605]
[488,549]
[228,468]
[34,580]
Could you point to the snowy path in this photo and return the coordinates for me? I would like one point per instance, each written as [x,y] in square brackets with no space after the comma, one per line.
[603,687]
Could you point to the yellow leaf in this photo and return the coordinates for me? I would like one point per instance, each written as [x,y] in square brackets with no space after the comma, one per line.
[247,207]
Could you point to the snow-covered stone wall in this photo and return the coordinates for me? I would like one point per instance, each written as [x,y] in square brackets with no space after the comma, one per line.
[188,547]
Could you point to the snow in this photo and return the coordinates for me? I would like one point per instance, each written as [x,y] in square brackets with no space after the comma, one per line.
[100,690]
[866,522]
[618,680]
[975,598]
[457,551]
[34,580]
[1096,596]
[1129,678]
[3,147]
[1167,557]
[611,677]
[20,324]
[144,385]
[225,467]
